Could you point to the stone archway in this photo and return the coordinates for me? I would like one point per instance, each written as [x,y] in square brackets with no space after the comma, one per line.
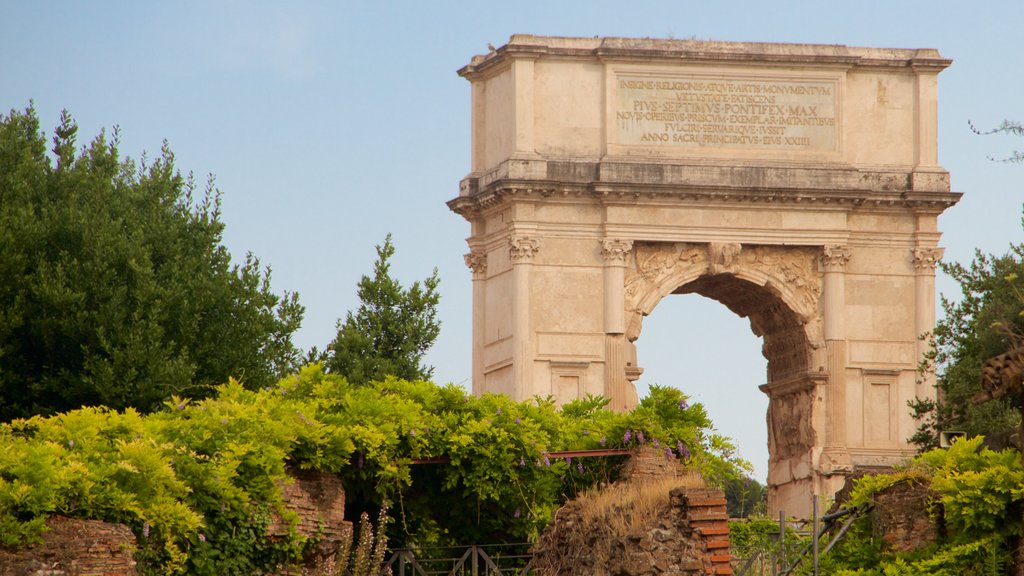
[778,289]
[796,184]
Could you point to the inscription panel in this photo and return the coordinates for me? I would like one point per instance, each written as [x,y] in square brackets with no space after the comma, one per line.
[730,112]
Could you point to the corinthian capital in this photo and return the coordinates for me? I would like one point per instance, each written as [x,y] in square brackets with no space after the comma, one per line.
[925,259]
[522,248]
[834,257]
[615,251]
[477,262]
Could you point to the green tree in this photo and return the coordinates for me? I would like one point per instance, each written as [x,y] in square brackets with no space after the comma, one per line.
[114,286]
[987,321]
[390,331]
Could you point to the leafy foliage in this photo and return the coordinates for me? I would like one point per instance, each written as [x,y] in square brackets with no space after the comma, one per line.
[986,322]
[114,286]
[980,493]
[745,497]
[390,331]
[199,481]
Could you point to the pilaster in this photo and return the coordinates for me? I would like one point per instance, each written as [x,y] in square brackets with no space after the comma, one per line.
[522,249]
[835,457]
[924,260]
[476,260]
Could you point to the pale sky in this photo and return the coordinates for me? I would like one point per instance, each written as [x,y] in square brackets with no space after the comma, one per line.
[330,124]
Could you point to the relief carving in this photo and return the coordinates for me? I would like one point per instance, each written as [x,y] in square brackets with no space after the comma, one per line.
[834,258]
[615,251]
[790,432]
[477,262]
[790,272]
[523,248]
[722,257]
[925,259]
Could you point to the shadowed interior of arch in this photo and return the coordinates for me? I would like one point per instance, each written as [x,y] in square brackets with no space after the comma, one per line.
[785,344]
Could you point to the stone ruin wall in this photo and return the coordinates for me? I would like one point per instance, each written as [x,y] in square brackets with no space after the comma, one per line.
[75,547]
[690,537]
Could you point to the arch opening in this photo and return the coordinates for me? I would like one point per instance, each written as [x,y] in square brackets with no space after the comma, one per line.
[709,352]
[778,289]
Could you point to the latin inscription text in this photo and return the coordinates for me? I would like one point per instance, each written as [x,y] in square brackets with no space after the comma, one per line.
[740,112]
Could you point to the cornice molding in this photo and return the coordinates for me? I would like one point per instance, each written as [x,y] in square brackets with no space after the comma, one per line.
[505,191]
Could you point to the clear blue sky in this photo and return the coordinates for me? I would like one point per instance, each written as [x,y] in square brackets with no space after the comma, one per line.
[330,124]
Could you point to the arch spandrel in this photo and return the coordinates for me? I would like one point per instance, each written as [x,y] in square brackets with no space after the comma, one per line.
[787,274]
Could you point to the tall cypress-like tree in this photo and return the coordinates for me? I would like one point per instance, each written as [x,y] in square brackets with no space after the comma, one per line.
[391,330]
[115,288]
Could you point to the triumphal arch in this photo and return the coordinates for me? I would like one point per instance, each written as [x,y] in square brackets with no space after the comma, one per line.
[798,185]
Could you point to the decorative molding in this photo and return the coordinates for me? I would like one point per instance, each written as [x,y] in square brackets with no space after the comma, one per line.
[615,251]
[477,262]
[522,248]
[925,259]
[479,194]
[834,257]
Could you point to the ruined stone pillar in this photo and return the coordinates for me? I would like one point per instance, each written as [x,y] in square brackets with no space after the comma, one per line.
[521,251]
[835,457]
[477,262]
[925,260]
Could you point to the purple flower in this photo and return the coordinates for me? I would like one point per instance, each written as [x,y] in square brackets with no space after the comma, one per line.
[522,461]
[683,405]
[656,443]
[181,405]
[145,530]
[518,421]
[412,433]
[669,453]
[202,537]
[568,460]
[684,452]
[516,513]
[579,467]
[546,461]
[627,436]
[537,464]
[640,436]
[499,411]
[603,440]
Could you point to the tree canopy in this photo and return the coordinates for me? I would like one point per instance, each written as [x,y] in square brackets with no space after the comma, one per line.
[986,321]
[390,331]
[115,288]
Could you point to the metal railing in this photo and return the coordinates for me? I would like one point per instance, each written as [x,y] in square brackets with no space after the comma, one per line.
[477,560]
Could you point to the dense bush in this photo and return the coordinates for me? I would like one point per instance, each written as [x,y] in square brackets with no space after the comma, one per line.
[979,492]
[198,481]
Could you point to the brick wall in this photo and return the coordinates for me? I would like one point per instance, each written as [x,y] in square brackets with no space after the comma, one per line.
[73,547]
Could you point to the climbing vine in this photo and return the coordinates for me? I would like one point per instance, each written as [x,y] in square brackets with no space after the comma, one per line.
[978,493]
[199,481]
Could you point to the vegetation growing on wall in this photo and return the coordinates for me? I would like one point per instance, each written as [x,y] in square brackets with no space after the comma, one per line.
[979,496]
[198,481]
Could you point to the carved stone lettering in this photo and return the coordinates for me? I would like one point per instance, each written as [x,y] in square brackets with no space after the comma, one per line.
[757,112]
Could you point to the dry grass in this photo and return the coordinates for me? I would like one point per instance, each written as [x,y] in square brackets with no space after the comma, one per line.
[628,507]
[582,542]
